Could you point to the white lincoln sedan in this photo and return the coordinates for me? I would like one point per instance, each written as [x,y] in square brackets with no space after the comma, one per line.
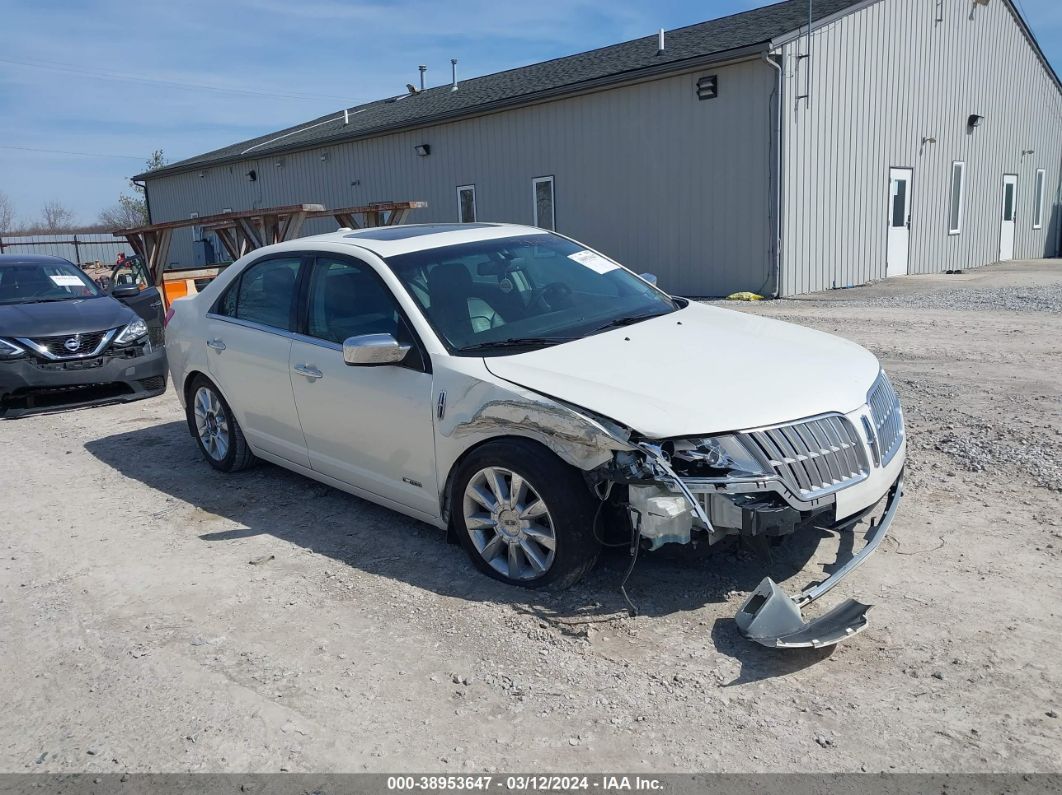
[528,394]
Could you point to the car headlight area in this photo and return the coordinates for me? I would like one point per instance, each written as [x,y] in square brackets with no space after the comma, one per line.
[132,332]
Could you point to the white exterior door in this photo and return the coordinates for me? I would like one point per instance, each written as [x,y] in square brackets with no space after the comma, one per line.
[899,221]
[371,427]
[1010,216]
[249,341]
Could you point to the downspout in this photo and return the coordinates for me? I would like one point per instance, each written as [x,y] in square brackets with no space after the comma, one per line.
[1057,211]
[147,198]
[774,64]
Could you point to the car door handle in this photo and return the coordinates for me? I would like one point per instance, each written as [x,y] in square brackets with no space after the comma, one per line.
[309,371]
[216,344]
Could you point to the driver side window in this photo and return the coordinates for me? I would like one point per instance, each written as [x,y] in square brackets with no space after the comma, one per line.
[348,299]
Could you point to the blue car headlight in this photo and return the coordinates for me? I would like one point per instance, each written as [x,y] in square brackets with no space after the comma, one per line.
[131,333]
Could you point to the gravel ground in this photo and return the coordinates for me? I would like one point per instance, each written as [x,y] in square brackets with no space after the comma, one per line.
[1006,299]
[159,617]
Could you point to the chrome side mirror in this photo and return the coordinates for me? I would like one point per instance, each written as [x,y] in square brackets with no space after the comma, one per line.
[373,349]
[649,277]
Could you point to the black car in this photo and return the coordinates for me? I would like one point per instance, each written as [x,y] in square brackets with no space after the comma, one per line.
[65,342]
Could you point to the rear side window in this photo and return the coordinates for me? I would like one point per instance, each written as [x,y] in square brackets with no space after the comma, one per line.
[265,294]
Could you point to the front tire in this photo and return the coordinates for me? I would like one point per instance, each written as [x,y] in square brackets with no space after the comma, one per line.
[524,516]
[216,431]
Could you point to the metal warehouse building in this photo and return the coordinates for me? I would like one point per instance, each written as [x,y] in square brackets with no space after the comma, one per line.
[775,150]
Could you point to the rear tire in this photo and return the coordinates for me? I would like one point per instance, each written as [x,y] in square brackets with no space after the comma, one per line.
[217,433]
[524,516]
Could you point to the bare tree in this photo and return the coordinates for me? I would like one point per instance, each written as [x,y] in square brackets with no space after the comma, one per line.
[55,217]
[7,213]
[131,211]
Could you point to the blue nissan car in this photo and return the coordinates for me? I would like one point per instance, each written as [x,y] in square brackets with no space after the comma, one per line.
[64,341]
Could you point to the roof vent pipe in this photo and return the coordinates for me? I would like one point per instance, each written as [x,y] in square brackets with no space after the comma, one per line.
[453,67]
[346,116]
[422,69]
[660,42]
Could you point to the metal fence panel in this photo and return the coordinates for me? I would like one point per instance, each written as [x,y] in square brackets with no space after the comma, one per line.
[80,248]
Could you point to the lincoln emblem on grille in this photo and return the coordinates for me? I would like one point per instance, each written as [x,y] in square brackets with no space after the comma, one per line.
[72,344]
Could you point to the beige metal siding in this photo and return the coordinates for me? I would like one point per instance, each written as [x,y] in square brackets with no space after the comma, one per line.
[646,173]
[884,78]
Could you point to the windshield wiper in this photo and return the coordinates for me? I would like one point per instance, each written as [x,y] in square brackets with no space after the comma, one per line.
[627,321]
[516,342]
[49,300]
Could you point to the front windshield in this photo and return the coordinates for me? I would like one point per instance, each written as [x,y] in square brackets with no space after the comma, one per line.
[39,282]
[523,292]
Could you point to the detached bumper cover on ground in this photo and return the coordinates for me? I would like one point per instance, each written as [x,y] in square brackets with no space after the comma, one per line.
[772,618]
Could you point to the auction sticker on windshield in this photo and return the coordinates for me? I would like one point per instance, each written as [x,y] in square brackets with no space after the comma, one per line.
[594,262]
[66,280]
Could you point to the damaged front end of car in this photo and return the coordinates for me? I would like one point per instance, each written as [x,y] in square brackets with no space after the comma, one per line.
[834,472]
[768,482]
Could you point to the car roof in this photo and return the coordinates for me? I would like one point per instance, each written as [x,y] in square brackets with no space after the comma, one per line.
[31,259]
[390,241]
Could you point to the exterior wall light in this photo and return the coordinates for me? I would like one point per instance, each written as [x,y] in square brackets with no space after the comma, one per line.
[974,121]
[423,150]
[252,175]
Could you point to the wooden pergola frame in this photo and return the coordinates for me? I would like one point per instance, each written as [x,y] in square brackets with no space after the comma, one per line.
[369,215]
[244,231]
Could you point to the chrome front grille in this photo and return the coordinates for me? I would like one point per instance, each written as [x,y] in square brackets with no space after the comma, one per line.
[888,418]
[70,346]
[815,457]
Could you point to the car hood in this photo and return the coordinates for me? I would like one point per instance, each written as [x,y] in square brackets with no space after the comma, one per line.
[699,370]
[56,318]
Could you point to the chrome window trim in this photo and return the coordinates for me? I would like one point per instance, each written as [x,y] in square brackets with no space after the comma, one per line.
[105,340]
[317,341]
[251,325]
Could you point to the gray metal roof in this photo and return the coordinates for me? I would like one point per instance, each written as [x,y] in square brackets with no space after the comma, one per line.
[629,60]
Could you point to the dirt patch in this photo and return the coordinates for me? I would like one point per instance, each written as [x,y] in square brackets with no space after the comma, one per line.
[159,617]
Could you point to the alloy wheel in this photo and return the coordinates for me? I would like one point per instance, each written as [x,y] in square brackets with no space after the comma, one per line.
[211,423]
[509,524]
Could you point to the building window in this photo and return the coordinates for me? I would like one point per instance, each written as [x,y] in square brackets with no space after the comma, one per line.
[545,212]
[1038,200]
[899,204]
[958,177]
[466,204]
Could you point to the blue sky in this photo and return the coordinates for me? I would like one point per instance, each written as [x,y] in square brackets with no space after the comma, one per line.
[116,79]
